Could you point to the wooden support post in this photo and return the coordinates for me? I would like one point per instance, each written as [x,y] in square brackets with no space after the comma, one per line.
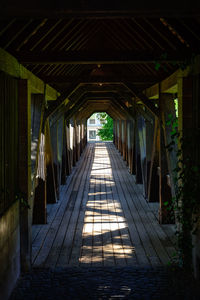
[39,211]
[54,136]
[153,184]
[149,148]
[25,172]
[50,176]
[138,157]
[164,189]
[84,133]
[60,130]
[168,108]
[120,136]
[126,143]
[67,133]
[130,144]
[78,139]
[165,195]
[114,132]
[187,126]
[142,150]
[133,146]
[117,134]
[123,139]
[81,137]
[72,142]
[196,125]
[64,157]
[37,112]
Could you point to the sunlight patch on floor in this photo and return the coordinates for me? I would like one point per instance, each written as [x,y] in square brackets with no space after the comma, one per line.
[105,230]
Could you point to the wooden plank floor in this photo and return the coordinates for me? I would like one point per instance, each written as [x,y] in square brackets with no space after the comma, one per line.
[101,219]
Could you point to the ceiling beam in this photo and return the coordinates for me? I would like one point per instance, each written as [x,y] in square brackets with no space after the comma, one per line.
[94,58]
[143,80]
[101,94]
[99,9]
[55,105]
[91,97]
[150,104]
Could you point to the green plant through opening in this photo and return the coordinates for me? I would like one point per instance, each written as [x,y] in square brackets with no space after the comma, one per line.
[106,132]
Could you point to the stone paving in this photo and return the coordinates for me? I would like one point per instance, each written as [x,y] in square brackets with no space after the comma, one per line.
[104,283]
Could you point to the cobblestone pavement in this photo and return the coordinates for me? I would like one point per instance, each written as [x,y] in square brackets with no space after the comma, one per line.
[103,283]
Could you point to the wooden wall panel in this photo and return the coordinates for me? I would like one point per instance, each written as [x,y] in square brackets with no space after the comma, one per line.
[8,140]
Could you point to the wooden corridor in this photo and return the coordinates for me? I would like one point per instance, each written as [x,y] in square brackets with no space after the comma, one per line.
[102,219]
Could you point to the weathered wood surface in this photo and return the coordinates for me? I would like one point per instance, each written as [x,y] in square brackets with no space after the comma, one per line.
[102,218]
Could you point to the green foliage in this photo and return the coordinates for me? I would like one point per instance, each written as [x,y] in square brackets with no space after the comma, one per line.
[106,132]
[186,203]
[182,65]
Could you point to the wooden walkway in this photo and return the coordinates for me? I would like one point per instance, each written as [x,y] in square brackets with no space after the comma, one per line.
[101,219]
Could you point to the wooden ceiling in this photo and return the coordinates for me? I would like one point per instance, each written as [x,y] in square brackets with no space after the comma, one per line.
[101,50]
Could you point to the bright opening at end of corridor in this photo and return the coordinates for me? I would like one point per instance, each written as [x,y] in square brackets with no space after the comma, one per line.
[99,127]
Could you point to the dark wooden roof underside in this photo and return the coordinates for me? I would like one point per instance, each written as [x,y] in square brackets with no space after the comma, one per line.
[103,54]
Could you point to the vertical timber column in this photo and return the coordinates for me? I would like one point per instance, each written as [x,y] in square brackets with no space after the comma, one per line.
[149,148]
[186,127]
[133,146]
[25,172]
[81,136]
[168,108]
[124,140]
[128,145]
[165,194]
[64,156]
[39,212]
[117,127]
[196,125]
[138,166]
[120,136]
[51,185]
[153,184]
[114,132]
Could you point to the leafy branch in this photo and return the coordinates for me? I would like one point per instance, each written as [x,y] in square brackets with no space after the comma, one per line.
[186,203]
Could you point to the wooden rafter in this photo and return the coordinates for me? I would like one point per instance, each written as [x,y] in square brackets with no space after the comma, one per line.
[45,34]
[86,57]
[57,35]
[15,36]
[160,34]
[33,32]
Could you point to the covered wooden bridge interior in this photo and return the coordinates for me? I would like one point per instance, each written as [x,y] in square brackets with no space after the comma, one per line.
[58,67]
